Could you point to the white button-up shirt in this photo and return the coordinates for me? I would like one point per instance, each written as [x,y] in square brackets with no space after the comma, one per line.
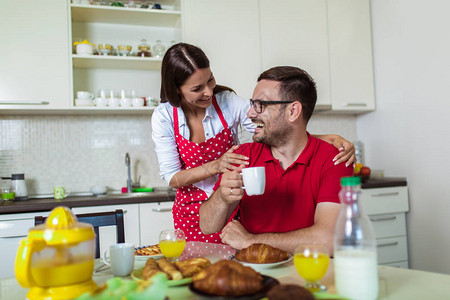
[234,110]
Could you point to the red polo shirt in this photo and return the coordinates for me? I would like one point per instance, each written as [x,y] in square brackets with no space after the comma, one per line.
[291,196]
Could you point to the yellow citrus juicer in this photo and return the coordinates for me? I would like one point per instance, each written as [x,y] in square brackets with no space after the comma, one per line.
[56,261]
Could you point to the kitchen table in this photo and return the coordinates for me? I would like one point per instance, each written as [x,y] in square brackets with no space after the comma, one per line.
[395,283]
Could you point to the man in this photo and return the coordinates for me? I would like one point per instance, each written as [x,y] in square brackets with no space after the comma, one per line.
[300,203]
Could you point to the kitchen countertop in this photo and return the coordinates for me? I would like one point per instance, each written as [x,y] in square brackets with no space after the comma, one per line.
[160,195]
[47,204]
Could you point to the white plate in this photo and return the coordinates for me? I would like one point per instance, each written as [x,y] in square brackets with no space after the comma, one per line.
[264,266]
[145,257]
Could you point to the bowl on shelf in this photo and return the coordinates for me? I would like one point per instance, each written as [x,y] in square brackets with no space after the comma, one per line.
[124,50]
[105,49]
[84,102]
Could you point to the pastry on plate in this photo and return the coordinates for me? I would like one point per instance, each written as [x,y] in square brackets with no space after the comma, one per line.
[228,278]
[192,266]
[261,254]
[148,250]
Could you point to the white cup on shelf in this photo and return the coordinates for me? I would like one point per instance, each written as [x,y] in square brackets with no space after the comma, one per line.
[138,102]
[126,102]
[101,102]
[114,102]
[85,95]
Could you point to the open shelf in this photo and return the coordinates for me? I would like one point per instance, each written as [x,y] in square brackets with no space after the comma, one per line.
[126,16]
[115,62]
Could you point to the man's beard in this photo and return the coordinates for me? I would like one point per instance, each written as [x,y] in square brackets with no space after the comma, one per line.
[279,134]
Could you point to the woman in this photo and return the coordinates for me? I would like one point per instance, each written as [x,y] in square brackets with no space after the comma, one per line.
[195,133]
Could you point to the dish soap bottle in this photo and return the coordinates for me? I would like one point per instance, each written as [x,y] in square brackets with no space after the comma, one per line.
[355,254]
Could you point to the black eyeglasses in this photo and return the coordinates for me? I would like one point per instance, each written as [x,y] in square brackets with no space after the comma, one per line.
[258,104]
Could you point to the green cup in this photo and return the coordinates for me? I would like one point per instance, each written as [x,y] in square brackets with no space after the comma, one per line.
[60,192]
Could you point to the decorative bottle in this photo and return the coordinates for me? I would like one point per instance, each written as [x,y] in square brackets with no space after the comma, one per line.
[355,254]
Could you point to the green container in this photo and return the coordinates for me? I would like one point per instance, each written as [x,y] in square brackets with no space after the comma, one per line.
[8,196]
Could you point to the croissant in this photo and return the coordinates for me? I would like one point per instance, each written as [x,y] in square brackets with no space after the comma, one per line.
[228,278]
[192,266]
[169,269]
[261,254]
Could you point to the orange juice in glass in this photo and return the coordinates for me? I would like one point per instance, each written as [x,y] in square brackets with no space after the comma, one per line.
[311,263]
[172,243]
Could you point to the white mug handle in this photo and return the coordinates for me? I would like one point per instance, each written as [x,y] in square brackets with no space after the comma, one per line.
[104,259]
[67,193]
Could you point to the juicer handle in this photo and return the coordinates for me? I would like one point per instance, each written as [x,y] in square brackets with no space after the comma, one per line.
[23,263]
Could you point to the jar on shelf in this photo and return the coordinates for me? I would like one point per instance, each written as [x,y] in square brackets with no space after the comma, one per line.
[144,49]
[158,49]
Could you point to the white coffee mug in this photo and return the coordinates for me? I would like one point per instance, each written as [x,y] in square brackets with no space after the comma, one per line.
[138,102]
[254,180]
[126,102]
[84,95]
[114,102]
[101,102]
[121,259]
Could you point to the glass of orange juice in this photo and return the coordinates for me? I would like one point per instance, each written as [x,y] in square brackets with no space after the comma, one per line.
[311,262]
[172,243]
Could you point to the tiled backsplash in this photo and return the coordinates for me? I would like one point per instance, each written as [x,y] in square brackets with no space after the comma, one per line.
[81,151]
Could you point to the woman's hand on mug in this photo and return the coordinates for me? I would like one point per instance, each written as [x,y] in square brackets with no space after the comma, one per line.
[229,160]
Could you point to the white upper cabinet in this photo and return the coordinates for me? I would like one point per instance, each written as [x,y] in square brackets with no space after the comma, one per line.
[34,56]
[351,62]
[228,32]
[294,33]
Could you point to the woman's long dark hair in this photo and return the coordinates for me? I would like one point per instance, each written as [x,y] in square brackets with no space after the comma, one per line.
[179,62]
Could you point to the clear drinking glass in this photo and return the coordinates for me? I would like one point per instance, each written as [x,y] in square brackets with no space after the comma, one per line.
[311,262]
[172,243]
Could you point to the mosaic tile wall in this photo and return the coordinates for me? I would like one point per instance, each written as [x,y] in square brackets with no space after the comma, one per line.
[82,151]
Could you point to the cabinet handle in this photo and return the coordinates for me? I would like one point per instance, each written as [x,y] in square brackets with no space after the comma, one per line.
[385,194]
[24,103]
[164,209]
[354,104]
[378,219]
[387,244]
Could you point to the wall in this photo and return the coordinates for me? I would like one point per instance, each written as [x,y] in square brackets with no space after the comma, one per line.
[408,133]
[81,151]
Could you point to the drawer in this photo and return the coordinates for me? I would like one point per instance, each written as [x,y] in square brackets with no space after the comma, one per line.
[398,264]
[392,250]
[389,225]
[385,200]
[13,228]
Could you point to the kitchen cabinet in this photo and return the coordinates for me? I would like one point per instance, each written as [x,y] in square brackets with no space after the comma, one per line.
[154,217]
[121,26]
[331,40]
[350,51]
[294,32]
[387,208]
[34,63]
[228,32]
[13,228]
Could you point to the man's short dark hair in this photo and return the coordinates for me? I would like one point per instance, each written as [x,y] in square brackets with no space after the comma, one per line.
[296,85]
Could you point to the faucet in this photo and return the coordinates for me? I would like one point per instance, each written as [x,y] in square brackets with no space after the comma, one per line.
[127,163]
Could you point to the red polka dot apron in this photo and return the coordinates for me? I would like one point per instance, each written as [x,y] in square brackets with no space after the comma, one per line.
[189,198]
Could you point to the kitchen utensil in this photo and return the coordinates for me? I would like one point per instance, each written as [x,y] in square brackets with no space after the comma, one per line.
[144,49]
[138,102]
[124,50]
[19,186]
[84,47]
[99,189]
[172,243]
[56,260]
[85,95]
[105,49]
[127,163]
[84,102]
[120,258]
[101,102]
[158,49]
[61,192]
[254,180]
